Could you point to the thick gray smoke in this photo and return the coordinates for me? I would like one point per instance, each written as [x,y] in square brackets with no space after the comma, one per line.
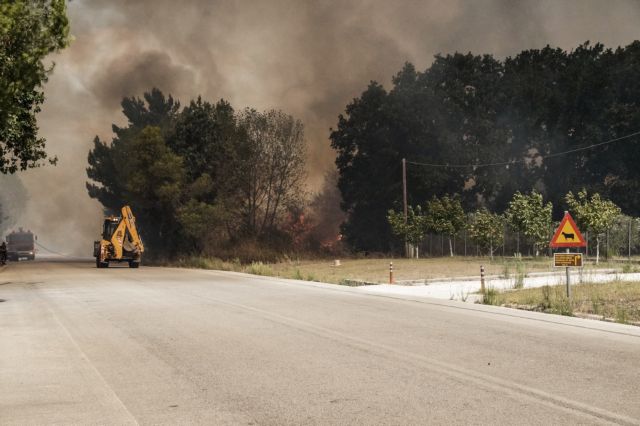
[308,58]
[13,200]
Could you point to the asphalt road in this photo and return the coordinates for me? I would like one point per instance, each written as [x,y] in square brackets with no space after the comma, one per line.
[80,345]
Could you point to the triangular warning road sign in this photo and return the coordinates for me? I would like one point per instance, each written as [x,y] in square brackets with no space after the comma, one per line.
[567,234]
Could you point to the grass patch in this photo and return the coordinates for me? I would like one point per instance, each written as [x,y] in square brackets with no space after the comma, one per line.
[208,263]
[490,296]
[259,268]
[616,301]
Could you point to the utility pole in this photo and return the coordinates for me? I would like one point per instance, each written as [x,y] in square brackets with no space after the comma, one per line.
[404,187]
[404,199]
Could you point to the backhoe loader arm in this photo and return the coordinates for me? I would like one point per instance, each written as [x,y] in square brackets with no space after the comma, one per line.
[117,239]
[129,222]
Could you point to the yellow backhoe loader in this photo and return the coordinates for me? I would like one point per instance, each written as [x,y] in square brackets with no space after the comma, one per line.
[120,241]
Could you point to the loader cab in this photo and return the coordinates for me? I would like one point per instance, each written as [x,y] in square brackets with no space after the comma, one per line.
[109,227]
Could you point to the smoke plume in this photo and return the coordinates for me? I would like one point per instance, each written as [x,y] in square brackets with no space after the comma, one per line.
[307,58]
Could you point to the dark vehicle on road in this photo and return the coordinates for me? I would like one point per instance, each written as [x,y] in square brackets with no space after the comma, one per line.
[21,245]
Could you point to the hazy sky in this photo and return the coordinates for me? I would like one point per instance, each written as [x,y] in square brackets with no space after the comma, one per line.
[308,58]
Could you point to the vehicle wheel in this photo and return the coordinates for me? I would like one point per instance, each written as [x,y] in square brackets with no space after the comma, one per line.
[133,264]
[101,264]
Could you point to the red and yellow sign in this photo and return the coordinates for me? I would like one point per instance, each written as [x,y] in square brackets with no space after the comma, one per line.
[567,234]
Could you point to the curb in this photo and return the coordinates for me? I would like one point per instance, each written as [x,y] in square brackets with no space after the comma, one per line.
[428,281]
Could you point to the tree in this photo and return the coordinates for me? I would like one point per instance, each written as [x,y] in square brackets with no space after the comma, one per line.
[514,116]
[200,222]
[368,165]
[527,214]
[29,31]
[445,216]
[152,177]
[595,214]
[139,169]
[269,169]
[106,159]
[205,135]
[487,230]
[413,230]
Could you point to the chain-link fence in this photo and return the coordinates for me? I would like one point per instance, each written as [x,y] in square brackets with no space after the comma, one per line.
[622,240]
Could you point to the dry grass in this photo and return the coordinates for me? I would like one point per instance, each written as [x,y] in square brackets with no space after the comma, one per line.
[377,270]
[617,301]
[371,270]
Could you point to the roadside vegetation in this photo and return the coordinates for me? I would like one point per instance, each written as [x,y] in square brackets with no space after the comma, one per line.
[358,270]
[616,301]
[377,270]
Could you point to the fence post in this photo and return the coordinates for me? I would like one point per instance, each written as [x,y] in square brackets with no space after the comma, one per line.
[391,273]
[482,279]
[629,252]
[455,253]
[586,240]
[465,243]
[568,281]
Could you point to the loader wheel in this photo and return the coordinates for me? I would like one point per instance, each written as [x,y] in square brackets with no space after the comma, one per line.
[101,264]
[133,264]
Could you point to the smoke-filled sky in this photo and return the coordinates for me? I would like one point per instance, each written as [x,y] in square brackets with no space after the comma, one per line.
[308,58]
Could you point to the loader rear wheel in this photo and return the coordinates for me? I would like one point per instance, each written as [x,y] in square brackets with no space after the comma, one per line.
[134,264]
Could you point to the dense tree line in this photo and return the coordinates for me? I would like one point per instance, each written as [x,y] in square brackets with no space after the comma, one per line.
[466,110]
[203,178]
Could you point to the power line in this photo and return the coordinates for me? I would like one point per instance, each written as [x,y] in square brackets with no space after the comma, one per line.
[507,163]
[51,251]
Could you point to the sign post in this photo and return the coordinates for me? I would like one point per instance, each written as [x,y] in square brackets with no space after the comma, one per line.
[567,235]
[568,281]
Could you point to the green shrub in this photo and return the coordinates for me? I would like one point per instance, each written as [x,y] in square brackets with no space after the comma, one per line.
[546,297]
[563,306]
[519,281]
[596,305]
[259,268]
[622,316]
[506,272]
[490,296]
